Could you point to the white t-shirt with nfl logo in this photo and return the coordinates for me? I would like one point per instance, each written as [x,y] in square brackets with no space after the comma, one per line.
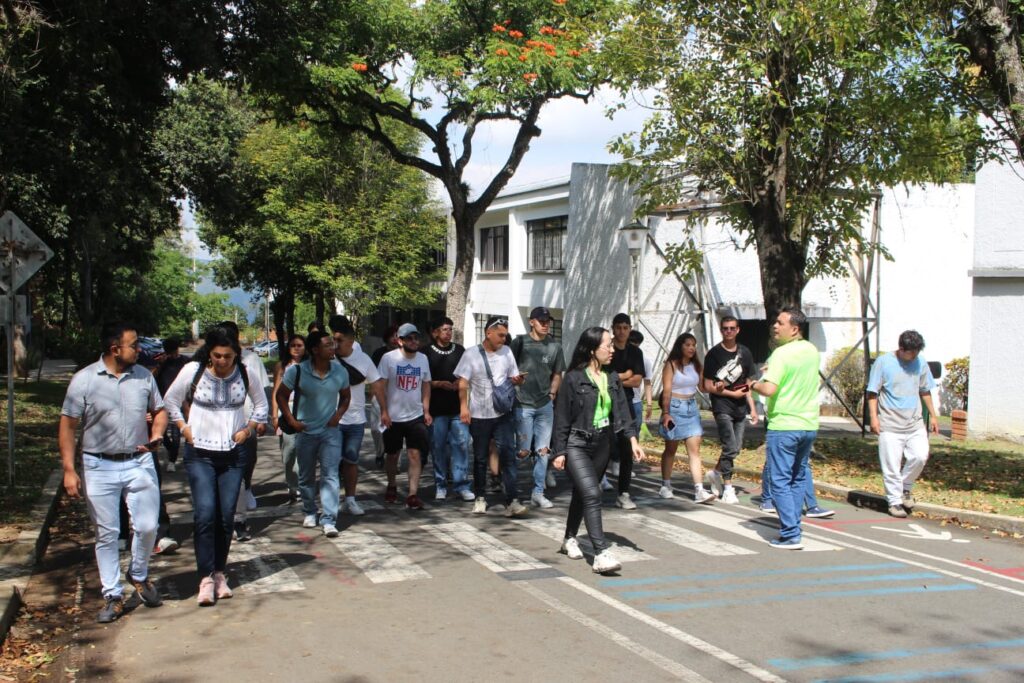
[405,378]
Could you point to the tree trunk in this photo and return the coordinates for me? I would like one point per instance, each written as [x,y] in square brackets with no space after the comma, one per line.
[991,34]
[85,315]
[462,277]
[780,259]
[278,309]
[321,307]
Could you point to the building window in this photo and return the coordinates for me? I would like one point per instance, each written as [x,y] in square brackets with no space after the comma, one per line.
[555,331]
[494,249]
[439,258]
[546,243]
[481,324]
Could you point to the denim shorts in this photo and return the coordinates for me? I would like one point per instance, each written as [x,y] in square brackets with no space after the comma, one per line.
[685,414]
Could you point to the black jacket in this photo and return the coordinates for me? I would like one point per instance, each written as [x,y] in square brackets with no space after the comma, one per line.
[575,405]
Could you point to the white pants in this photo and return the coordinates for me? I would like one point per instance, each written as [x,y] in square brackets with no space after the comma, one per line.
[892,448]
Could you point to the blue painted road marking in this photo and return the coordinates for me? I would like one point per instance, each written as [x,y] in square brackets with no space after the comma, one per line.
[733,587]
[907,676]
[680,606]
[861,657]
[619,583]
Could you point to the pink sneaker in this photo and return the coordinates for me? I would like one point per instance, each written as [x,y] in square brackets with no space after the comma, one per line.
[206,598]
[220,585]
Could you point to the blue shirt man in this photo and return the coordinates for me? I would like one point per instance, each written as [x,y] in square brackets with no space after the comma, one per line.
[897,385]
[323,396]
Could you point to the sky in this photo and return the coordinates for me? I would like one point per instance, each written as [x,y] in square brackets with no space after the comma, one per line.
[572,131]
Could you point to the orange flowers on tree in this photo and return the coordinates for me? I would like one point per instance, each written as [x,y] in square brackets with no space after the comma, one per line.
[359,66]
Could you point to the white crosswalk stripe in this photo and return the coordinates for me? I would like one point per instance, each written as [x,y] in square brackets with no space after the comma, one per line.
[259,570]
[755,529]
[380,561]
[484,548]
[555,530]
[680,536]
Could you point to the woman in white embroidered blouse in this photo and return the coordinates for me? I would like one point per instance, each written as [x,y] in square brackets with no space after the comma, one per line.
[214,430]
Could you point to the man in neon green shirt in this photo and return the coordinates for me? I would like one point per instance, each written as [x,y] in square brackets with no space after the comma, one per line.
[791,385]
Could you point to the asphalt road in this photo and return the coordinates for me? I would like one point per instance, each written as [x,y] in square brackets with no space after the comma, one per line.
[443,595]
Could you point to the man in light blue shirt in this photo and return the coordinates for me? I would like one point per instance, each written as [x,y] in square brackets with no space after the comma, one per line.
[898,383]
[110,399]
[323,396]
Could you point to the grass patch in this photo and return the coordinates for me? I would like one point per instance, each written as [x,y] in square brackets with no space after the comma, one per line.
[36,414]
[982,476]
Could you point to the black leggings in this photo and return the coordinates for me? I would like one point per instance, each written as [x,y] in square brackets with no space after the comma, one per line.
[586,458]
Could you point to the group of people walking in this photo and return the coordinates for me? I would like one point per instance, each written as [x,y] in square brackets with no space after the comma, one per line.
[504,400]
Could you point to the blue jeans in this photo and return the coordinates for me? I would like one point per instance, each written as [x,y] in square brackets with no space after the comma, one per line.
[533,427]
[290,462]
[788,453]
[810,499]
[351,442]
[450,446]
[323,448]
[105,481]
[215,479]
[502,430]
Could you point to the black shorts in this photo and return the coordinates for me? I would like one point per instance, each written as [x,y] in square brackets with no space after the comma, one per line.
[413,433]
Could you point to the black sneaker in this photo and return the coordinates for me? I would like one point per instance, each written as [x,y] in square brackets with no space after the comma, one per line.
[242,532]
[111,611]
[147,592]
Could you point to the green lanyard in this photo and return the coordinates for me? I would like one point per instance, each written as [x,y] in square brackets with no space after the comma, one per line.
[603,409]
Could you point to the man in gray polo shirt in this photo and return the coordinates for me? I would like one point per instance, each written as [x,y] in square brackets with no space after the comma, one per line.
[111,398]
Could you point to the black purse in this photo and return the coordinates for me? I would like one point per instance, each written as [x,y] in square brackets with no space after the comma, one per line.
[355,378]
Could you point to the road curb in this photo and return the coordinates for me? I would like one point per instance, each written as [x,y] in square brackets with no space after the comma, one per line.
[875,501]
[18,559]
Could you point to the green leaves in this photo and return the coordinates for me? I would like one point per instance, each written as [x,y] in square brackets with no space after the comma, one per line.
[790,113]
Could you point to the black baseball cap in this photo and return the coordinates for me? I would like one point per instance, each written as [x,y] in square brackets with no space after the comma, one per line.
[540,313]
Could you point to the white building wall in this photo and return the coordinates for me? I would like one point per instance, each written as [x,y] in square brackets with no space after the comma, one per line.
[997,315]
[927,230]
[597,268]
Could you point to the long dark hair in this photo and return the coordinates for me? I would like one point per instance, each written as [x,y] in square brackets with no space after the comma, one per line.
[217,335]
[676,354]
[589,341]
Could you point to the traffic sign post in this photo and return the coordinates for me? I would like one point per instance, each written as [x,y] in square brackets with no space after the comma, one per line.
[24,254]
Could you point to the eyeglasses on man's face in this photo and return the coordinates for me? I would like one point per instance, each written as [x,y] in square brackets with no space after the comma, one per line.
[732,328]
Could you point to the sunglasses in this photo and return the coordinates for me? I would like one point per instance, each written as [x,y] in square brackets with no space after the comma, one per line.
[503,322]
[730,329]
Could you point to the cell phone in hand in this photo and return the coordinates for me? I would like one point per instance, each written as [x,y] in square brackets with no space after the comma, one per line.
[671,425]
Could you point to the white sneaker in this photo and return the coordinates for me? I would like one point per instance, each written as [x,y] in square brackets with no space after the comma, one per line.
[309,522]
[549,479]
[571,547]
[625,502]
[441,494]
[605,484]
[467,495]
[353,507]
[715,482]
[729,496]
[330,531]
[666,492]
[613,468]
[516,509]
[702,495]
[605,562]
[166,545]
[250,500]
[170,467]
[480,507]
[541,502]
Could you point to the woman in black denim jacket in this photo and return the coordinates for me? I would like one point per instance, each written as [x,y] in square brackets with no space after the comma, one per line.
[590,410]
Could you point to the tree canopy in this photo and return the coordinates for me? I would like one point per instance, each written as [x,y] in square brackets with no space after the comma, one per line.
[440,69]
[789,114]
[296,210]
